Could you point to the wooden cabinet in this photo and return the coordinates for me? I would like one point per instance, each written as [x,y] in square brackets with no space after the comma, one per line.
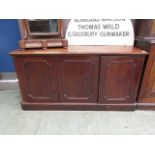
[145,28]
[145,39]
[119,79]
[80,77]
[149,92]
[37,77]
[146,98]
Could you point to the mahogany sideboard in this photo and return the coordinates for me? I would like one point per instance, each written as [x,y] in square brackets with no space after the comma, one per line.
[79,77]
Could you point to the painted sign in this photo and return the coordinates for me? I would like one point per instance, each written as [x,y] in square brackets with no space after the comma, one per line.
[100,32]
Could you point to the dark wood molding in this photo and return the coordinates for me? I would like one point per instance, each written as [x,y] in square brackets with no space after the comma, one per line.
[79,106]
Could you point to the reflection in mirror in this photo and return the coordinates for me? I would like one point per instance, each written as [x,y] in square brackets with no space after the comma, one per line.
[43,25]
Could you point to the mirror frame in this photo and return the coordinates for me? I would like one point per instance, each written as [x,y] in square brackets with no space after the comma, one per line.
[29,35]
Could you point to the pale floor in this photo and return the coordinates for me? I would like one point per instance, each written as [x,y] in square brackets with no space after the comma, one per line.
[13,120]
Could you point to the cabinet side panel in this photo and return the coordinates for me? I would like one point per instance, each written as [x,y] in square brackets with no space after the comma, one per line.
[147,91]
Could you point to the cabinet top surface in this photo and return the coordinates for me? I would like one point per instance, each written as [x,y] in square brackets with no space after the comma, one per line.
[82,50]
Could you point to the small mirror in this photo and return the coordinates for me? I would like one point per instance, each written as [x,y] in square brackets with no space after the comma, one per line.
[42,33]
[43,26]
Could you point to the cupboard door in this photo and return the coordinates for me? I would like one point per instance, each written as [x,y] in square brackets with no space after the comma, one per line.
[37,77]
[119,79]
[78,78]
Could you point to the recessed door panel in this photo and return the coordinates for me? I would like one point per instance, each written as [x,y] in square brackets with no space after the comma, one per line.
[39,79]
[119,79]
[78,78]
